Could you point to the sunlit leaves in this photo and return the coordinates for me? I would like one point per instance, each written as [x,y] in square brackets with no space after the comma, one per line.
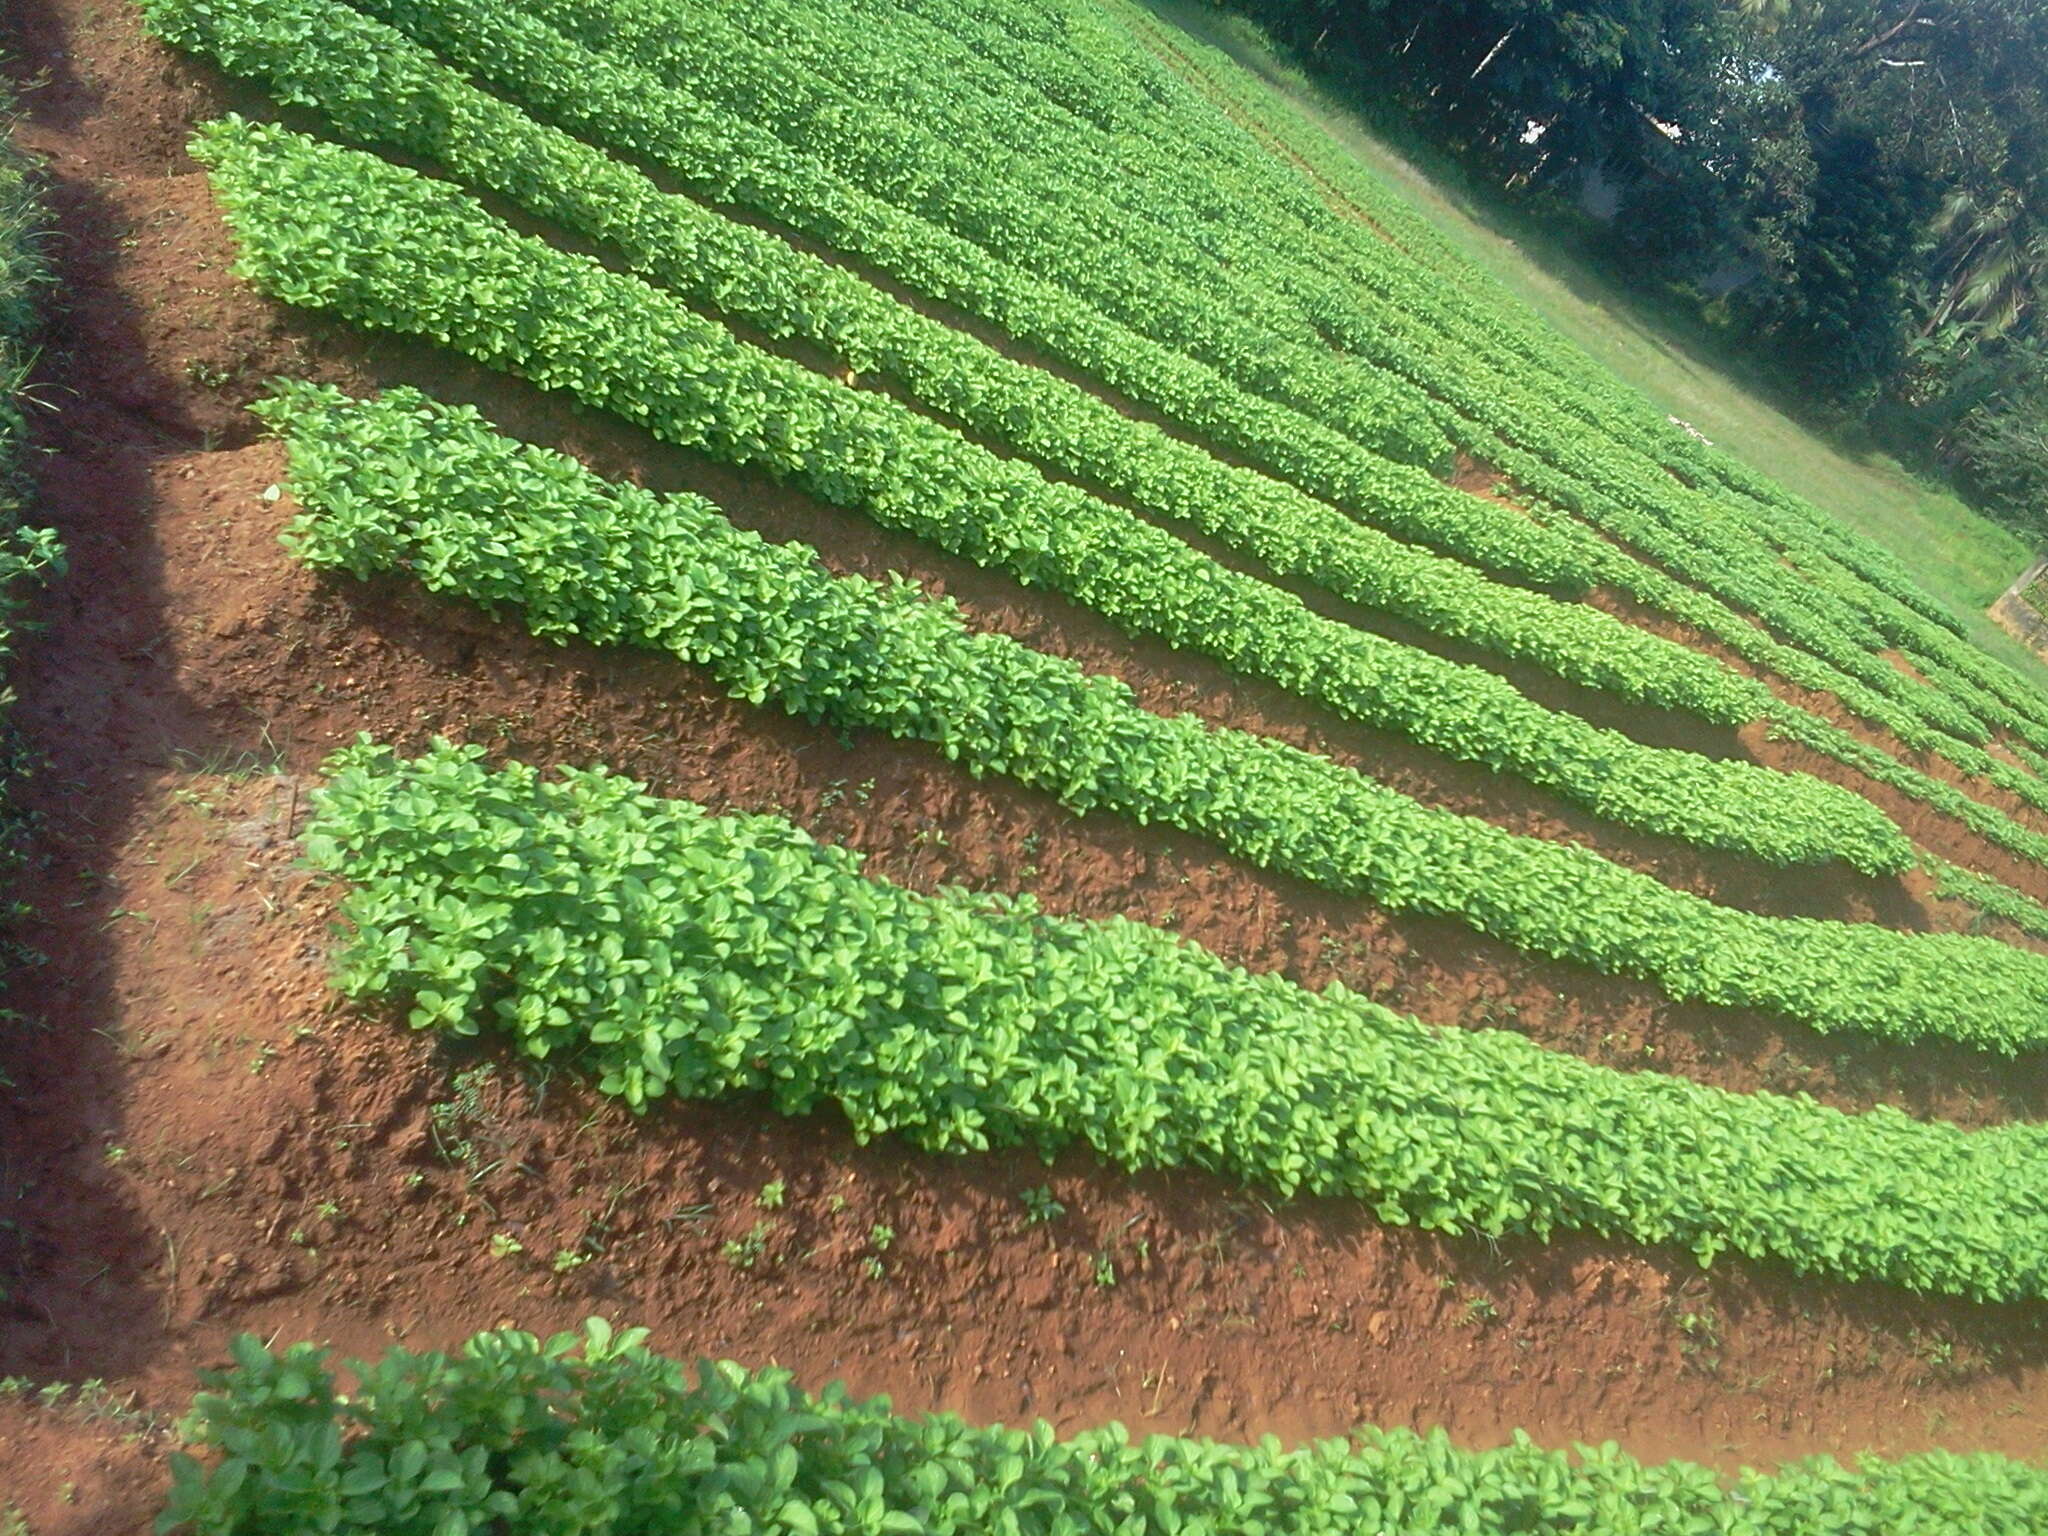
[668,951]
[595,1435]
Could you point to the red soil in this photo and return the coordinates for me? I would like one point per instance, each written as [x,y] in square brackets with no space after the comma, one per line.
[204,1140]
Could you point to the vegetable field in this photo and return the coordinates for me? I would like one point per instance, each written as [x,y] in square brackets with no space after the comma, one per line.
[779,733]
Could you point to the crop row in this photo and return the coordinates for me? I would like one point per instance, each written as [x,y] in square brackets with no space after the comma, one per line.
[400,484]
[1795,724]
[592,1431]
[1953,883]
[378,85]
[669,951]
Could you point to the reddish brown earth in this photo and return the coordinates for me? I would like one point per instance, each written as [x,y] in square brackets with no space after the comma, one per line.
[204,1139]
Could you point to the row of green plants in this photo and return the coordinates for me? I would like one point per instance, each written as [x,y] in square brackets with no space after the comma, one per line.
[1792,723]
[377,86]
[666,951]
[401,484]
[1989,897]
[593,1433]
[1683,535]
[1739,556]
[533,65]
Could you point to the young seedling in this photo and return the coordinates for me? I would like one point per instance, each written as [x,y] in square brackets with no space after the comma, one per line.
[746,1252]
[1039,1206]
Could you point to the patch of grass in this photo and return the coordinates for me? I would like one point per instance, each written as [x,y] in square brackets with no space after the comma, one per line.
[461,1121]
[82,1402]
[26,552]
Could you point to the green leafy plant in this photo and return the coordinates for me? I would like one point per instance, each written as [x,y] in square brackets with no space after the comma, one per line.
[748,1251]
[1039,1205]
[588,921]
[592,1431]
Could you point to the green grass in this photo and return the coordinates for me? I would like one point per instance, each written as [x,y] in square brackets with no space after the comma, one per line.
[25,552]
[1959,556]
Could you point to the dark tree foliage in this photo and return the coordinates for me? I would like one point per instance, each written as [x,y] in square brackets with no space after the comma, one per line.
[1834,309]
[1856,189]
